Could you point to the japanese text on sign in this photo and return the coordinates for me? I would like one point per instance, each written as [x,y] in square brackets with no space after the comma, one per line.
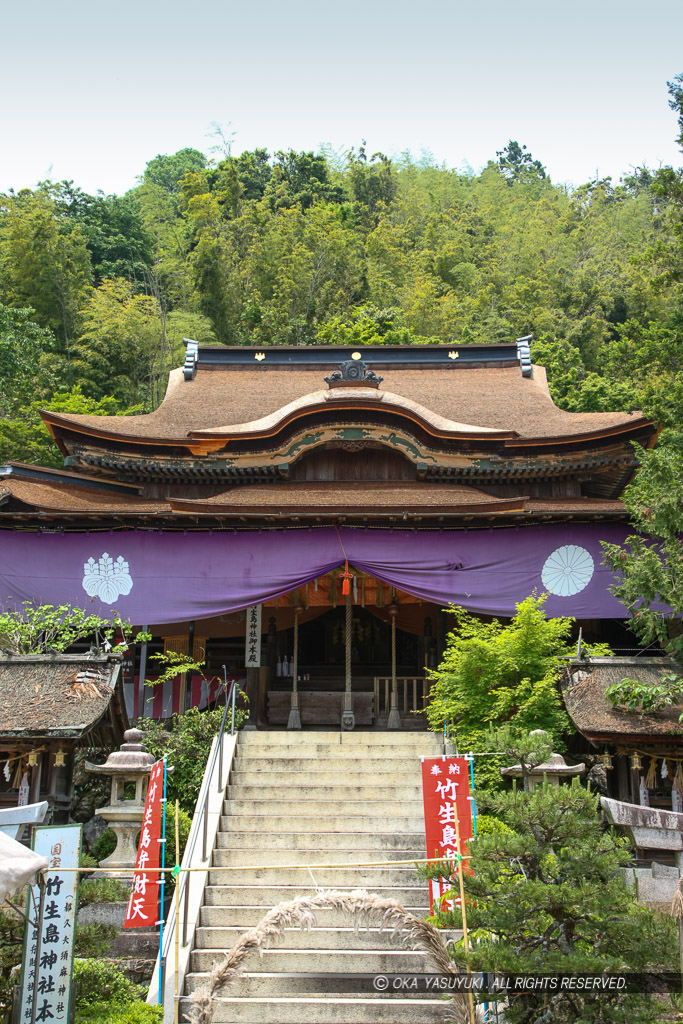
[446,794]
[144,897]
[252,653]
[48,955]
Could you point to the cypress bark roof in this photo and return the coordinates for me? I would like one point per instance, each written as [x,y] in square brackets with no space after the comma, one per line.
[584,687]
[233,401]
[72,497]
[61,696]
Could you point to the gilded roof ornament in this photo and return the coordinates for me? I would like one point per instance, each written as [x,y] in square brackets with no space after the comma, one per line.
[354,373]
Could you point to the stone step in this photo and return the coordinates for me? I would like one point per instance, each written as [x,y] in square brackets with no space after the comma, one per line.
[313,960]
[312,808]
[224,857]
[296,799]
[303,788]
[220,938]
[322,842]
[269,896]
[327,878]
[305,984]
[410,776]
[323,1010]
[215,916]
[333,752]
[316,763]
[356,738]
[339,823]
[410,723]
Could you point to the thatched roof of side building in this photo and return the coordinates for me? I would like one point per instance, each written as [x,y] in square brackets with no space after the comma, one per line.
[71,697]
[584,689]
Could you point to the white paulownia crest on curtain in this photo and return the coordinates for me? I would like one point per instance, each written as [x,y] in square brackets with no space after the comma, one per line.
[106,578]
[252,651]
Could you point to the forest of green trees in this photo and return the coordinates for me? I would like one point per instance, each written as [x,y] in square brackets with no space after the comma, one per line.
[98,291]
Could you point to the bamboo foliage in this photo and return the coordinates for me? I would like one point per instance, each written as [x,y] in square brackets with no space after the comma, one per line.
[364,908]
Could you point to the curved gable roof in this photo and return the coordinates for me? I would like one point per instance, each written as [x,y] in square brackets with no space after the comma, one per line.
[233,402]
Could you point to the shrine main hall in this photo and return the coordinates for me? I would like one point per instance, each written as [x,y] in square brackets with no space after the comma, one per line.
[305,516]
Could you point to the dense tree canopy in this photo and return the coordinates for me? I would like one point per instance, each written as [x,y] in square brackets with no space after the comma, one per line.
[320,248]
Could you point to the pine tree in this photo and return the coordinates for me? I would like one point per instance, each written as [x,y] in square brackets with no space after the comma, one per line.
[547,894]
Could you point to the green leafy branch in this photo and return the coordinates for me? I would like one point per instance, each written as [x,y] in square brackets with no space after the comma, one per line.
[53,629]
[174,664]
[633,696]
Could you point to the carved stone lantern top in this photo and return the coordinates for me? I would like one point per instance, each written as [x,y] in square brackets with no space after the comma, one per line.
[130,759]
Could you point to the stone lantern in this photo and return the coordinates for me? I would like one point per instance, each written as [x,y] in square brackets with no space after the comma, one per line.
[554,769]
[129,766]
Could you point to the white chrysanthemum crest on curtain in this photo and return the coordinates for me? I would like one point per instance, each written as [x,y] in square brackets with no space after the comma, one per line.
[567,570]
[106,578]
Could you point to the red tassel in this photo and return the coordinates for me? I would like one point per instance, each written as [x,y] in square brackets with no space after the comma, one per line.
[346,578]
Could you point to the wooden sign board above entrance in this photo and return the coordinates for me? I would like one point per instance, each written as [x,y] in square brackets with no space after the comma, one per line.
[252,652]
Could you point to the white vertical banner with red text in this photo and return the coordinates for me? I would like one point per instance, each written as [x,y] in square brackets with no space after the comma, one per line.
[143,905]
[446,794]
[47,962]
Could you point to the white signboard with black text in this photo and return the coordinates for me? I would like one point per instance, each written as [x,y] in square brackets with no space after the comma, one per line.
[47,964]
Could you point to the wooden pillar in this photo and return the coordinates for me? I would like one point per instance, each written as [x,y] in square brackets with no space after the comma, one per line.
[36,776]
[622,779]
[634,778]
[186,682]
[252,687]
[262,697]
[139,705]
[441,631]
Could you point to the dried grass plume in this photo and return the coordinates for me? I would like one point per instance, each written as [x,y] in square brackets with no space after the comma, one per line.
[365,909]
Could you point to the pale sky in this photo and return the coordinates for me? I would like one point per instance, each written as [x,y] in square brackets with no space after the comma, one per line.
[92,91]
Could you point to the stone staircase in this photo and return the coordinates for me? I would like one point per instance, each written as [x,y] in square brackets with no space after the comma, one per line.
[313,797]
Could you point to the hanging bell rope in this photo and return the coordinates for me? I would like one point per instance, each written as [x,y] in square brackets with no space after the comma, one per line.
[347,640]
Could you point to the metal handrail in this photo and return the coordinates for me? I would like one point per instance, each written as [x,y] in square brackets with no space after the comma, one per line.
[203,800]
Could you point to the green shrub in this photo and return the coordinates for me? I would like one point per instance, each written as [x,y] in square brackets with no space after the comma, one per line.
[184,826]
[86,860]
[102,982]
[94,940]
[134,1013]
[487,825]
[102,890]
[105,844]
[11,938]
[186,743]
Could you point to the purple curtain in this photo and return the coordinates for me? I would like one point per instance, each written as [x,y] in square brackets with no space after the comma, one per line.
[168,577]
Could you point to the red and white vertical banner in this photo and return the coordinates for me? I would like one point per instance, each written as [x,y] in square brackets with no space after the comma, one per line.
[143,905]
[446,795]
